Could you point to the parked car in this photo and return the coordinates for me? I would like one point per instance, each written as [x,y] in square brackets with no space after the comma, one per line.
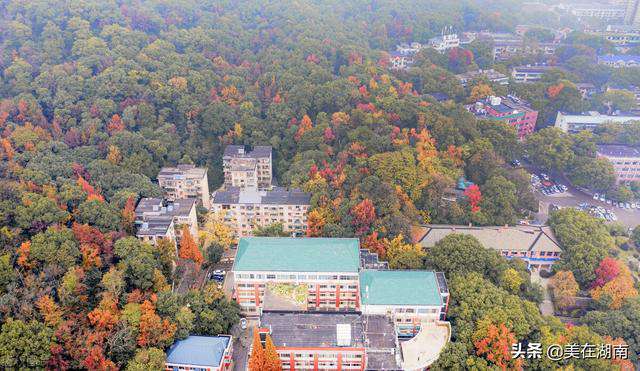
[243,323]
[596,196]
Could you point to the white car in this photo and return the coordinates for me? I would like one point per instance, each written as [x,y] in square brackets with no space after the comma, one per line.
[243,323]
[596,196]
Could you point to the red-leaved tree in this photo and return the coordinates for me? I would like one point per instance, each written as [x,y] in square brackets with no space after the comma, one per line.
[475,197]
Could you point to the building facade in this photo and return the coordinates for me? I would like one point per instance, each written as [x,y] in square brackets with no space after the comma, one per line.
[491,75]
[246,168]
[399,61]
[329,306]
[632,13]
[246,210]
[308,274]
[523,74]
[600,11]
[511,110]
[625,161]
[317,341]
[185,181]
[574,123]
[445,42]
[619,61]
[211,353]
[536,246]
[409,298]
[618,35]
[158,219]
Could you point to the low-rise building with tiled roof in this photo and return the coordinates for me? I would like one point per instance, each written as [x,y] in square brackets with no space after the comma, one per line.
[537,246]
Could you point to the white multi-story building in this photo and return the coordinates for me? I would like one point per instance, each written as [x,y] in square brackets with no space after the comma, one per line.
[244,210]
[445,42]
[523,74]
[599,11]
[247,169]
[619,61]
[625,161]
[157,219]
[185,181]
[573,123]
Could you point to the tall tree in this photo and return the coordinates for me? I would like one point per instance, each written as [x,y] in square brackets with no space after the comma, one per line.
[188,247]
[272,358]
[257,359]
[565,288]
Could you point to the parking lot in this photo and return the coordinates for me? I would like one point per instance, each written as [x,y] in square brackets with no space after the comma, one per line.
[562,194]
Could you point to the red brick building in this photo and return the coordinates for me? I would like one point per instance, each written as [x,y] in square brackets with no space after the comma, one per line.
[512,110]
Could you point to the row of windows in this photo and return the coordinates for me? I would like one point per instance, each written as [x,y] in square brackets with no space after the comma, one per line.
[298,277]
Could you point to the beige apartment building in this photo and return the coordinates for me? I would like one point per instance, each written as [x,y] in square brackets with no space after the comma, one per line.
[245,168]
[625,161]
[185,181]
[244,210]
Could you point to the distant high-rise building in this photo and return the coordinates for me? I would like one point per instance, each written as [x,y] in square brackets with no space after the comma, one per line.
[632,13]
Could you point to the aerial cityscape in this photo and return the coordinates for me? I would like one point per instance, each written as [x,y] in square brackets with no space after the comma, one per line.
[319,185]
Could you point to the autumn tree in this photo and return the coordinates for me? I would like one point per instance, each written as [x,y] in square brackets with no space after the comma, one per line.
[188,247]
[565,288]
[115,125]
[304,126]
[271,356]
[480,91]
[403,255]
[494,343]
[154,331]
[129,214]
[364,214]
[315,222]
[617,289]
[257,359]
[607,270]
[475,197]
[215,231]
[50,311]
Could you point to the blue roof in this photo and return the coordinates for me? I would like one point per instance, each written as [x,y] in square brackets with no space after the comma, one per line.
[204,351]
[619,58]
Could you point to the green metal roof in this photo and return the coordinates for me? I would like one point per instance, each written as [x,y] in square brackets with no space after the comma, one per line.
[297,254]
[391,287]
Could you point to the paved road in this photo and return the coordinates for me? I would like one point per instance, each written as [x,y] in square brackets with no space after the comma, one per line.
[546,307]
[241,344]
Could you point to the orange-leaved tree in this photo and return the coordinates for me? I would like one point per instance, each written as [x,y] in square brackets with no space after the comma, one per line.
[129,214]
[257,358]
[271,357]
[494,343]
[617,289]
[188,247]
